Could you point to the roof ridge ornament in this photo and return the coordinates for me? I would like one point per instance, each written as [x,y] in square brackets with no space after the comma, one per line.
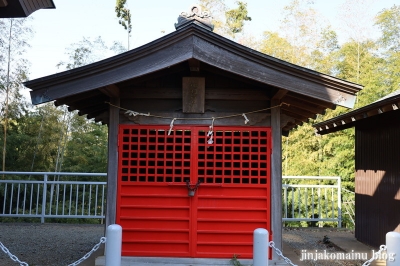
[197,16]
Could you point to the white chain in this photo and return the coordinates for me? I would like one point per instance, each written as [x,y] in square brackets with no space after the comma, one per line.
[13,257]
[277,251]
[375,256]
[87,255]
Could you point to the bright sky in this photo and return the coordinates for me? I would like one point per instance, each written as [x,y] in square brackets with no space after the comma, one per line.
[56,29]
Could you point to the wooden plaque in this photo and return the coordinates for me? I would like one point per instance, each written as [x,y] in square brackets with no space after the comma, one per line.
[193,95]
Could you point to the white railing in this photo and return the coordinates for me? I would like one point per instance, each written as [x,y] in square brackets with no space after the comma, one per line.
[23,195]
[311,200]
[56,198]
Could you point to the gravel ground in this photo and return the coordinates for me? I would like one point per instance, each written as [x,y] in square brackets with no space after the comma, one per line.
[63,244]
[312,240]
[48,244]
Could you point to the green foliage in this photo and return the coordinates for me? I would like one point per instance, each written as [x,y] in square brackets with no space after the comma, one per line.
[375,64]
[277,46]
[217,9]
[389,22]
[86,150]
[234,261]
[124,14]
[235,18]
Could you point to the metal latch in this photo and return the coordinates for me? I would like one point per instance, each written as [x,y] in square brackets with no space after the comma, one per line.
[192,188]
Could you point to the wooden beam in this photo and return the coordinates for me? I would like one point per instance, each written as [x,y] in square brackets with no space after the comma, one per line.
[3,3]
[298,111]
[276,177]
[279,94]
[194,65]
[70,100]
[225,74]
[102,117]
[237,94]
[133,83]
[112,167]
[304,105]
[151,93]
[87,103]
[111,91]
[295,115]
[95,109]
[296,96]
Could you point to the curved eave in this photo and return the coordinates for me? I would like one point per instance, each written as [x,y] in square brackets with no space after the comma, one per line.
[23,8]
[194,42]
[350,119]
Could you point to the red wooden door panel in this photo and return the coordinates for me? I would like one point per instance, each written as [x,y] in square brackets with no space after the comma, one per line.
[153,207]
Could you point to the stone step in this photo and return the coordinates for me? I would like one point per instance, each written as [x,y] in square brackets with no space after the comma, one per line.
[158,261]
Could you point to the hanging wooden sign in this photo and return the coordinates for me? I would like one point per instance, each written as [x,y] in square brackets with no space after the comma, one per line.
[193,95]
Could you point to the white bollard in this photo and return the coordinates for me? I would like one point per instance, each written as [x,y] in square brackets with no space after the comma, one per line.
[393,249]
[260,247]
[113,245]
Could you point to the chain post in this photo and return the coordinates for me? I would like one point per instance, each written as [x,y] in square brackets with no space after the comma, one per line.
[375,256]
[280,254]
[87,255]
[12,257]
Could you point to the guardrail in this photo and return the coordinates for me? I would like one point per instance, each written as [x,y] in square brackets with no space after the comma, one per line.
[44,198]
[313,202]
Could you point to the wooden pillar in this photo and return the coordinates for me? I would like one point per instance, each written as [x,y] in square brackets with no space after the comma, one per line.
[112,167]
[276,176]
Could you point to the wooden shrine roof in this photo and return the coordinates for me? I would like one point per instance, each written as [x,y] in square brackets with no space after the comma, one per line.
[86,88]
[22,8]
[384,105]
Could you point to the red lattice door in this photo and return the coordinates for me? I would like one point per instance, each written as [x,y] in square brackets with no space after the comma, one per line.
[154,208]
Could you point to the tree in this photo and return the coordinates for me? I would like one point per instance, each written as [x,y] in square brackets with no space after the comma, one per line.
[388,21]
[302,27]
[124,15]
[14,35]
[356,20]
[86,150]
[228,23]
[82,144]
[88,51]
[359,62]
[235,18]
[217,9]
[274,45]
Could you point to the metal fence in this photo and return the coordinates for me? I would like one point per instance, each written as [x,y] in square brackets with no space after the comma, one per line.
[312,199]
[55,195]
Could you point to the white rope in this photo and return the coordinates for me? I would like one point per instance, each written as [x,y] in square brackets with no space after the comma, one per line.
[134,113]
[246,120]
[171,126]
[210,133]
